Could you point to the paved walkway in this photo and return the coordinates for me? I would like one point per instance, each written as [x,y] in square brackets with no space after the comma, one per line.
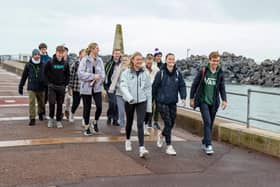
[38,156]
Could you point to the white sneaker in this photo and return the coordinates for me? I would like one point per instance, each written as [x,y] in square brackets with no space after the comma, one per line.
[128,146]
[146,132]
[59,125]
[170,150]
[71,118]
[159,140]
[209,150]
[51,123]
[143,152]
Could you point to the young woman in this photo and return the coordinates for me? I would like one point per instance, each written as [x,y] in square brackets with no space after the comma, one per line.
[115,88]
[136,89]
[91,74]
[167,84]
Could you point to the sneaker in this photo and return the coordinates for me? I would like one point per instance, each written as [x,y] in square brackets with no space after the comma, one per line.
[115,123]
[146,132]
[203,147]
[32,122]
[209,150]
[41,116]
[170,150]
[159,140]
[59,125]
[156,125]
[128,146]
[87,132]
[109,121]
[95,127]
[143,152]
[51,123]
[122,131]
[66,113]
[149,125]
[71,118]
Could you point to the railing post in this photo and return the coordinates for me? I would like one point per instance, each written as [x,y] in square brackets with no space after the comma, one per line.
[248,107]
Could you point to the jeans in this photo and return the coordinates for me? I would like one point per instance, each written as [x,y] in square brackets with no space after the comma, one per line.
[121,110]
[112,112]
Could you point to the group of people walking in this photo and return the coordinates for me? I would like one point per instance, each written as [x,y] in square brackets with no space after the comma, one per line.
[145,86]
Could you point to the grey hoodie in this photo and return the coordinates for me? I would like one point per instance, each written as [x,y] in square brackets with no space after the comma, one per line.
[86,75]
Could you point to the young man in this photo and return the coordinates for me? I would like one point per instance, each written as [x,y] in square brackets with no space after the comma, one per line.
[206,89]
[44,59]
[112,112]
[74,85]
[159,63]
[33,71]
[57,74]
[167,84]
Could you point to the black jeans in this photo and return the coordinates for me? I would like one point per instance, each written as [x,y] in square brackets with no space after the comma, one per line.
[168,115]
[208,114]
[76,101]
[87,100]
[56,96]
[140,112]
[112,112]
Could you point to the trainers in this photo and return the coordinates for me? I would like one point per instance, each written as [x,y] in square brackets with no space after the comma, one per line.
[128,146]
[146,132]
[41,116]
[209,150]
[32,122]
[149,125]
[122,131]
[170,150]
[143,152]
[66,113]
[203,147]
[95,127]
[71,118]
[51,123]
[159,140]
[87,132]
[59,125]
[156,125]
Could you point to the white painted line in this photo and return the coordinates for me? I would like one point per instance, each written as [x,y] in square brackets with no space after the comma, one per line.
[9,101]
[26,105]
[13,96]
[27,118]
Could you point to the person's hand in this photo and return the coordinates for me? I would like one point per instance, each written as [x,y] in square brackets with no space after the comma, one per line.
[192,103]
[132,101]
[184,102]
[70,91]
[20,90]
[224,105]
[97,77]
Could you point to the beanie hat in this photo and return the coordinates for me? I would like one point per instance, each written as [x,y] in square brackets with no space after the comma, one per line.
[157,52]
[35,51]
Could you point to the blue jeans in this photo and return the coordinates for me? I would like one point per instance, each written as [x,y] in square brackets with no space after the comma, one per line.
[121,110]
[208,114]
[112,112]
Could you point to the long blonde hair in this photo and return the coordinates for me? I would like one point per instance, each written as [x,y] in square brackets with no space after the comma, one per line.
[90,47]
[132,58]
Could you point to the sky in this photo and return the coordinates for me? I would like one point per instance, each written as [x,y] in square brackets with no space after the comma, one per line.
[244,27]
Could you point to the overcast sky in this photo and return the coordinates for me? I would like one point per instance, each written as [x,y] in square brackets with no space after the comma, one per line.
[244,27]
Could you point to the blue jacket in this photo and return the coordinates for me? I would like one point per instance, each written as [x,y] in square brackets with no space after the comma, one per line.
[45,58]
[167,85]
[35,75]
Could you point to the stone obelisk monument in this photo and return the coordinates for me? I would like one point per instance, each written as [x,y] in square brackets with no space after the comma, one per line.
[118,40]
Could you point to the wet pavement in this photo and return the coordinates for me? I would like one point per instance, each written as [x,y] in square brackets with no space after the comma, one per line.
[39,156]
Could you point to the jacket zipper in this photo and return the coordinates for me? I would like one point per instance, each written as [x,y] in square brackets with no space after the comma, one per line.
[137,86]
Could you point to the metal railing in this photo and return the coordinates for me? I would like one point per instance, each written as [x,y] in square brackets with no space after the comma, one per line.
[248,115]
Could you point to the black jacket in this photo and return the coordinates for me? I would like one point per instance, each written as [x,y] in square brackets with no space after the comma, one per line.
[197,86]
[167,85]
[57,72]
[35,75]
[109,70]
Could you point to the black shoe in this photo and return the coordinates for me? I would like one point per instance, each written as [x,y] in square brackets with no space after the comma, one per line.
[87,132]
[115,123]
[109,121]
[156,125]
[41,116]
[95,127]
[32,122]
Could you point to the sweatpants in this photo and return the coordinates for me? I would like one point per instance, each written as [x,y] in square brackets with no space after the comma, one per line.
[208,115]
[33,96]
[121,110]
[112,112]
[87,100]
[168,115]
[56,96]
[76,101]
[140,113]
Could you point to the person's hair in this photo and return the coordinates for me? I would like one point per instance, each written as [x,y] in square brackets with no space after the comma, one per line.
[124,56]
[117,49]
[90,47]
[66,48]
[60,48]
[169,54]
[149,56]
[82,50]
[132,58]
[43,45]
[214,54]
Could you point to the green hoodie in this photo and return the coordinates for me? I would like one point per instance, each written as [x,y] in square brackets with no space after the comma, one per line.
[208,86]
